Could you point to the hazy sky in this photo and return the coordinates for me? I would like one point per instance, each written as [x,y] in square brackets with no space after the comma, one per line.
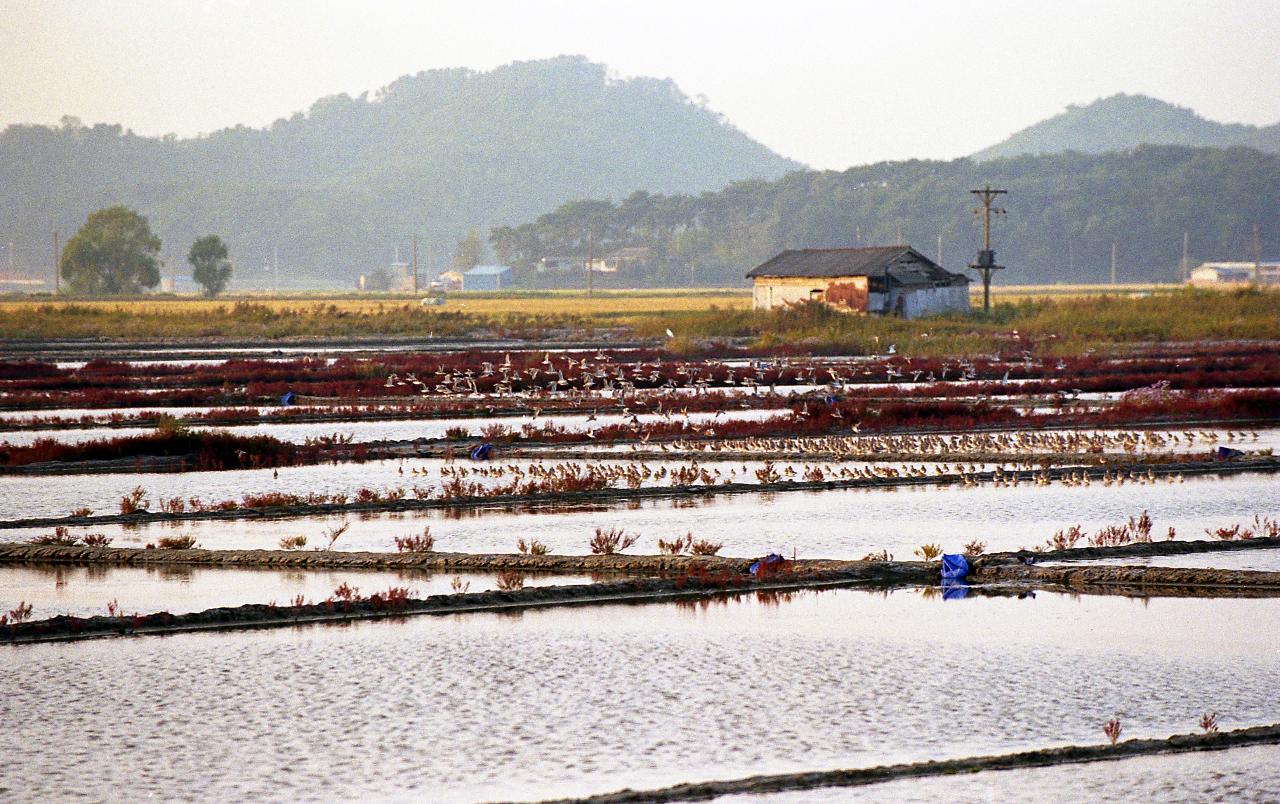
[830,84]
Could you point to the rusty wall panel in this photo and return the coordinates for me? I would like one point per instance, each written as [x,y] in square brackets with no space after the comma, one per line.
[847,295]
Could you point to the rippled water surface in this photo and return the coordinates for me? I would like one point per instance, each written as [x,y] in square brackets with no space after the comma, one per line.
[571,701]
[828,524]
[84,591]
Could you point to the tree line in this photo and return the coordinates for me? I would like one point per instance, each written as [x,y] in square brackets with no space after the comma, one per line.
[1064,214]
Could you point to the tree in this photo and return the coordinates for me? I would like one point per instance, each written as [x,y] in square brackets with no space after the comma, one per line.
[113,253]
[210,266]
[469,253]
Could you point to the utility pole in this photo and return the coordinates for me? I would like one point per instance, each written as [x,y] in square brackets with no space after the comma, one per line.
[1071,260]
[57,274]
[1184,274]
[590,267]
[857,235]
[415,265]
[986,257]
[898,237]
[1113,262]
[1257,256]
[939,249]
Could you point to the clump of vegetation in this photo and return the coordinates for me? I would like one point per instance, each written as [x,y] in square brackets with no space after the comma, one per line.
[613,540]
[883,555]
[458,586]
[703,547]
[533,547]
[60,537]
[1209,722]
[975,548]
[509,581]
[676,546]
[134,501]
[96,540]
[929,552]
[335,533]
[185,541]
[293,542]
[419,543]
[17,614]
[1066,538]
[1112,730]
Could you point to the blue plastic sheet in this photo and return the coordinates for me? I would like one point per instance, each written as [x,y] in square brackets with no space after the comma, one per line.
[288,398]
[482,452]
[954,566]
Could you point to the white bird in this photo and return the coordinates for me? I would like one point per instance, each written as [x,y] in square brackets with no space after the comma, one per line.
[670,334]
[893,348]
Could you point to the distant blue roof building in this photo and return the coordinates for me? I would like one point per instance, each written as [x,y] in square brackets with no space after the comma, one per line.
[487,277]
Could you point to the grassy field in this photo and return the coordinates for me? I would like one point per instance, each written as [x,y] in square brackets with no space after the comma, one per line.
[1064,318]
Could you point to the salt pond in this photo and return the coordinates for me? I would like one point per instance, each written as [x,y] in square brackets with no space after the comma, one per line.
[84,591]
[827,524]
[569,701]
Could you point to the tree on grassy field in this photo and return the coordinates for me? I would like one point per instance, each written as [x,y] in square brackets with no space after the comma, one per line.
[469,253]
[210,266]
[114,253]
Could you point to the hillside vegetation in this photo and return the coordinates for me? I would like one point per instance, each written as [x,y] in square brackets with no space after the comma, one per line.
[1064,213]
[336,189]
[1122,122]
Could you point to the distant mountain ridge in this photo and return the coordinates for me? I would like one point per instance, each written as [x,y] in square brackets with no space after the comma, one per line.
[336,189]
[1123,122]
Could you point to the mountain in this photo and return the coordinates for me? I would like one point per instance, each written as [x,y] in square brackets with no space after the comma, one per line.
[1064,213]
[334,191]
[1122,122]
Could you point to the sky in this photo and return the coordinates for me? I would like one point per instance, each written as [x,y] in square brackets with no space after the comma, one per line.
[830,84]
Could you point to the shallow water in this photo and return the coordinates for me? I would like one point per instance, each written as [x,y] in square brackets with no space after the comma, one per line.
[844,524]
[394,430]
[1239,774]
[1260,560]
[572,701]
[84,591]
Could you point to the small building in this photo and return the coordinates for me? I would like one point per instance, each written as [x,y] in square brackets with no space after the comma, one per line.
[885,280]
[486,277]
[1235,274]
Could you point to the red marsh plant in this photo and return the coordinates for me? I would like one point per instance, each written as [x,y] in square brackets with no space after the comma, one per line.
[113,608]
[82,512]
[184,541]
[420,543]
[975,548]
[703,547]
[1209,722]
[299,601]
[509,581]
[1141,527]
[613,540]
[60,538]
[134,501]
[458,586]
[1112,730]
[96,540]
[293,542]
[533,547]
[1065,539]
[676,546]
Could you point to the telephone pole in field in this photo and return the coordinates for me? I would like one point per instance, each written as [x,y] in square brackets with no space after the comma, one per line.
[986,262]
[590,267]
[415,265]
[57,273]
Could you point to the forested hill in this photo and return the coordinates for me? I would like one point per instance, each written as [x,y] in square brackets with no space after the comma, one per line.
[1064,213]
[1122,122]
[338,188]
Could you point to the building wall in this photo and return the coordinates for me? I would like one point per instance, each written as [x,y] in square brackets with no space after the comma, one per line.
[845,292]
[484,281]
[917,302]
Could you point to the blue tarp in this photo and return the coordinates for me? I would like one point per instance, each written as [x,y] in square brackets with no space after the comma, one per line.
[288,398]
[954,567]
[769,562]
[482,452]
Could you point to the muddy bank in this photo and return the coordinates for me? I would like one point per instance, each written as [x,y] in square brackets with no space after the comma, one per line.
[691,584]
[1142,581]
[781,783]
[1135,550]
[610,495]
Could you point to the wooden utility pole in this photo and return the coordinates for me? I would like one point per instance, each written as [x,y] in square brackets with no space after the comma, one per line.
[1113,262]
[57,273]
[590,267]
[1184,274]
[1257,256]
[415,265]
[986,257]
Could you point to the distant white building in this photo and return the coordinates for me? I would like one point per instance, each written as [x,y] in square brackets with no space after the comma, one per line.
[1226,274]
